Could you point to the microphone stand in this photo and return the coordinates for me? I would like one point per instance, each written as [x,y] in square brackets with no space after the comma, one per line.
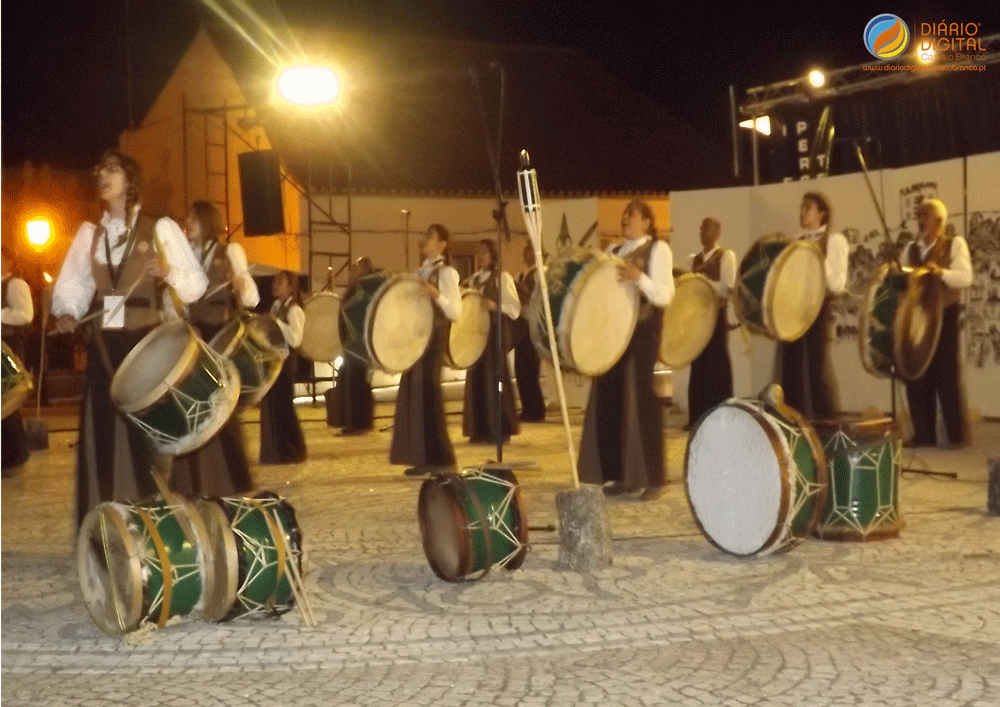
[898,266]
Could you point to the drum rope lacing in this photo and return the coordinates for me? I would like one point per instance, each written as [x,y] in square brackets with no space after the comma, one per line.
[870,453]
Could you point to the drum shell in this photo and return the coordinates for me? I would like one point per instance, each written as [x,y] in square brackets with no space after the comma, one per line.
[450,522]
[17,384]
[863,498]
[136,532]
[875,330]
[250,345]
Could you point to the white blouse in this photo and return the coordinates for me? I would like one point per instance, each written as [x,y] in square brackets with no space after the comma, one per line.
[511,302]
[658,286]
[959,275]
[19,310]
[727,270]
[293,328]
[450,299]
[837,251]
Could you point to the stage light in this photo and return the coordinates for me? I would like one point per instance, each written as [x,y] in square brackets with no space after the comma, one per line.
[309,85]
[763,125]
[39,233]
[48,278]
[926,56]
[817,78]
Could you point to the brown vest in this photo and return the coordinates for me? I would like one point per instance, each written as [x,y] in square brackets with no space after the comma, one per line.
[640,257]
[218,308]
[141,309]
[940,253]
[711,268]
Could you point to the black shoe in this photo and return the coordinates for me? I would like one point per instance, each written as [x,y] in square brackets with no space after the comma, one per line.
[651,494]
[616,489]
[687,427]
[418,471]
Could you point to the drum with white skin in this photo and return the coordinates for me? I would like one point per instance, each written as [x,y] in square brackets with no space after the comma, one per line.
[320,332]
[468,337]
[689,320]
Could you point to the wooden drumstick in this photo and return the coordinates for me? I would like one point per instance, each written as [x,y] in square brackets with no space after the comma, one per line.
[527,186]
[294,578]
[111,315]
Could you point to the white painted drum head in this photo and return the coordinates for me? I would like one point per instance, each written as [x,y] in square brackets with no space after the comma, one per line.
[321,332]
[688,321]
[737,478]
[399,323]
[599,316]
[796,286]
[468,336]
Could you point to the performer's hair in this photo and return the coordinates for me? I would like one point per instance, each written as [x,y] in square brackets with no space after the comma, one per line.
[822,203]
[209,218]
[491,247]
[647,213]
[359,268]
[133,175]
[938,207]
[443,234]
[293,285]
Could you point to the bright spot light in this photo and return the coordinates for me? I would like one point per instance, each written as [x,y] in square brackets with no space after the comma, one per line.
[308,85]
[763,125]
[39,233]
[817,78]
[48,278]
[925,56]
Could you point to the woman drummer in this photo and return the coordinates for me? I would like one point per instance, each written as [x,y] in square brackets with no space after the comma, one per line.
[127,254]
[220,468]
[480,414]
[623,426]
[420,433]
[281,439]
[353,405]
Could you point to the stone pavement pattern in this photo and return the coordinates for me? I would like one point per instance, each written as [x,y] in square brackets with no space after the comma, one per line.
[911,621]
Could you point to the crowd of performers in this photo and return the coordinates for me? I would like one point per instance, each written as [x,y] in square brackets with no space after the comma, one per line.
[165,272]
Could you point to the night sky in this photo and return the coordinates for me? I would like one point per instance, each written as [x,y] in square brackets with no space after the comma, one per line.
[64,79]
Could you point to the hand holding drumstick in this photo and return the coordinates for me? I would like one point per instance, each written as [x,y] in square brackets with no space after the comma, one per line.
[628,271]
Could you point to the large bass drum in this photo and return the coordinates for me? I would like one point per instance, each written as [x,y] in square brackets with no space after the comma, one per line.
[780,287]
[689,320]
[900,322]
[321,333]
[468,337]
[594,313]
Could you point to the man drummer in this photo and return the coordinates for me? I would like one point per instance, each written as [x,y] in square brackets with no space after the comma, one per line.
[420,433]
[18,311]
[113,270]
[806,365]
[711,379]
[948,259]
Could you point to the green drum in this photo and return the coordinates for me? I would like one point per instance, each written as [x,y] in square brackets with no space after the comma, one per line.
[257,348]
[594,312]
[176,389]
[755,475]
[780,287]
[388,320]
[900,322]
[255,543]
[863,500]
[143,563]
[471,522]
[17,383]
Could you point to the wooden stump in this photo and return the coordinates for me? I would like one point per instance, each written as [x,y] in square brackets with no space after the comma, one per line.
[584,530]
[993,488]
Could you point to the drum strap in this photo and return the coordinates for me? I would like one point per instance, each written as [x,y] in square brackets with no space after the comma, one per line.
[279,546]
[484,523]
[166,569]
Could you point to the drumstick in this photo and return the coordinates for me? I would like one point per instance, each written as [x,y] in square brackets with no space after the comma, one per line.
[527,187]
[224,285]
[294,578]
[111,315]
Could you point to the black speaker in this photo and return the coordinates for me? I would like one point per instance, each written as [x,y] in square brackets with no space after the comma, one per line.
[260,189]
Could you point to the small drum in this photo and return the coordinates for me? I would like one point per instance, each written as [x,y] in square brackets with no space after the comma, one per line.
[17,383]
[863,499]
[593,313]
[257,348]
[780,288]
[468,337]
[253,540]
[900,322]
[689,321]
[389,321]
[321,332]
[471,522]
[143,563]
[176,389]
[755,475]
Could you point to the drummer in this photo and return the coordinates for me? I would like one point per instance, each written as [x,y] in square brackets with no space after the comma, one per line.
[711,379]
[18,311]
[948,259]
[526,361]
[623,426]
[352,404]
[126,253]
[220,468]
[806,366]
[480,413]
[420,433]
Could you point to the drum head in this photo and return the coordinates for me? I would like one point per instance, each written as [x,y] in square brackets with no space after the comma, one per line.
[469,335]
[794,292]
[321,333]
[399,323]
[688,321]
[599,316]
[110,570]
[738,478]
[917,326]
[443,530]
[221,551]
[228,338]
[157,361]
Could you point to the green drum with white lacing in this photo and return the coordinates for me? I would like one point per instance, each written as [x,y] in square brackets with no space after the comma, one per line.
[257,348]
[471,522]
[176,388]
[143,563]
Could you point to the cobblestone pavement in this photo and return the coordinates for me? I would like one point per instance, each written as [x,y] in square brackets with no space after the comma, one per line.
[674,621]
